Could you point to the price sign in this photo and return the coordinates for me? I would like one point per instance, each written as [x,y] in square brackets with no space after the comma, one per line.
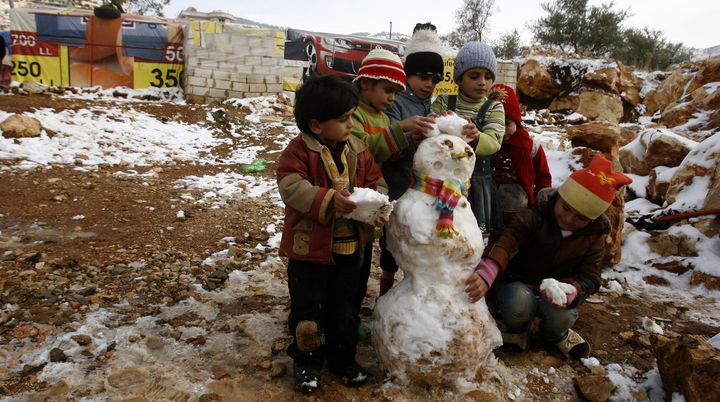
[159,75]
[447,85]
[43,69]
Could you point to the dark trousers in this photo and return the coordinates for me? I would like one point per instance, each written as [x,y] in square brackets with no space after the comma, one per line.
[361,291]
[324,294]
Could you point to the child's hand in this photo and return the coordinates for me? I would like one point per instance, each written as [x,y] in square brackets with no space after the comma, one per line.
[417,138]
[470,131]
[417,124]
[476,287]
[380,222]
[549,299]
[341,202]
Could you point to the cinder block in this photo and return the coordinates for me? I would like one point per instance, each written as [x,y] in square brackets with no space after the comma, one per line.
[197,81]
[255,41]
[252,60]
[239,40]
[244,68]
[202,72]
[235,94]
[234,77]
[212,65]
[217,93]
[241,50]
[199,91]
[221,75]
[251,94]
[274,88]
[223,84]
[255,79]
[240,86]
[272,61]
[257,87]
[273,79]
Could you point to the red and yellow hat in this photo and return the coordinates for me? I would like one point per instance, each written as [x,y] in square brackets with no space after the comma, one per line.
[591,190]
[381,64]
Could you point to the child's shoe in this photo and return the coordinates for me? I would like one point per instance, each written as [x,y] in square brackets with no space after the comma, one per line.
[515,343]
[352,375]
[574,346]
[307,379]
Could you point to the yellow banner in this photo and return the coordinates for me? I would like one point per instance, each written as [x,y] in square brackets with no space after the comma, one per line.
[447,85]
[43,69]
[159,75]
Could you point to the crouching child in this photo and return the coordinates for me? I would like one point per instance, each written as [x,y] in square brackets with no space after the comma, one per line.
[315,173]
[560,238]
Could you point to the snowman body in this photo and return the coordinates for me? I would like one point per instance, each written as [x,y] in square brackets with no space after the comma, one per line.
[425,330]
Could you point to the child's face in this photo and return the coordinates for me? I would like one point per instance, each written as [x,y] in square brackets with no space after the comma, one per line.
[510,129]
[379,94]
[423,85]
[475,83]
[568,218]
[334,130]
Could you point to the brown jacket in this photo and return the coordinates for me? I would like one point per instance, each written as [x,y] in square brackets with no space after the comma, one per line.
[306,190]
[532,248]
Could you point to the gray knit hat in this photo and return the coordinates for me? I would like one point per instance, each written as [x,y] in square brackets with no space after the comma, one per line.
[475,54]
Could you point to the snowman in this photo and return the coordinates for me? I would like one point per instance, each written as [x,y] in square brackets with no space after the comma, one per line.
[425,330]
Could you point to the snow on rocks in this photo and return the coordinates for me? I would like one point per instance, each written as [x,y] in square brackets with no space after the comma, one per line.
[425,330]
[557,290]
[370,205]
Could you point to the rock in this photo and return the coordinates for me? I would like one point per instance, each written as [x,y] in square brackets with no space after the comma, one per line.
[127,377]
[82,340]
[708,71]
[629,85]
[154,343]
[600,136]
[18,126]
[674,266]
[652,148]
[669,91]
[211,397]
[658,183]
[690,366]
[33,88]
[701,278]
[701,162]
[565,102]
[668,245]
[57,355]
[677,114]
[595,388]
[278,369]
[605,78]
[536,82]
[601,106]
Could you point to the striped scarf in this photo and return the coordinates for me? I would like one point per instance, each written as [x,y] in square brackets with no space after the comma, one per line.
[447,193]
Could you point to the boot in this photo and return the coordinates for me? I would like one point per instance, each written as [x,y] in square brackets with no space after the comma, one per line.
[352,374]
[574,346]
[307,378]
[515,342]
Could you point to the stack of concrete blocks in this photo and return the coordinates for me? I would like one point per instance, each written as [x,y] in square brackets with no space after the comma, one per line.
[235,61]
[507,73]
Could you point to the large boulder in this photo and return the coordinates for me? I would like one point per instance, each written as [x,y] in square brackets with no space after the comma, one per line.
[690,366]
[629,85]
[605,78]
[654,147]
[600,106]
[565,102]
[536,82]
[601,136]
[708,71]
[677,114]
[698,174]
[19,126]
[670,90]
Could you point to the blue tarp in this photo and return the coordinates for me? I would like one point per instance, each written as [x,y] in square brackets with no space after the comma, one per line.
[63,29]
[144,40]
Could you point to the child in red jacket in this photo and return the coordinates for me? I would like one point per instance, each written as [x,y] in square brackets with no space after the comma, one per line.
[315,173]
[519,168]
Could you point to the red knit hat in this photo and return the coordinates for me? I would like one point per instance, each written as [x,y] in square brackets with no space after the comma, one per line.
[591,190]
[381,64]
[509,100]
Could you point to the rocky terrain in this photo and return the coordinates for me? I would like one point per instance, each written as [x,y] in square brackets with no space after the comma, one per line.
[135,274]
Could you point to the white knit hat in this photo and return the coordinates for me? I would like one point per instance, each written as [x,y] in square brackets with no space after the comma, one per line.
[423,53]
[381,64]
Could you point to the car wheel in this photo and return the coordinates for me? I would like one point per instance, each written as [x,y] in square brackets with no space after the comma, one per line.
[312,57]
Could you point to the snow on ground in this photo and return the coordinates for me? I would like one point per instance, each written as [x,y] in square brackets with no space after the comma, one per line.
[95,136]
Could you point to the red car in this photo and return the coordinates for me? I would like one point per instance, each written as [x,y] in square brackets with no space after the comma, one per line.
[334,54]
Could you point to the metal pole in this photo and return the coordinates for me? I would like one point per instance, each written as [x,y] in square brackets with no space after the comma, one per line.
[389,36]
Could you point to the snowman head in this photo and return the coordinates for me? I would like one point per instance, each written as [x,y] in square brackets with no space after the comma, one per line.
[445,157]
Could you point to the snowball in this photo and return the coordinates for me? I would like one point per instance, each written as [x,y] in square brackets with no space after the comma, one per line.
[557,290]
[371,205]
[651,326]
[450,124]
